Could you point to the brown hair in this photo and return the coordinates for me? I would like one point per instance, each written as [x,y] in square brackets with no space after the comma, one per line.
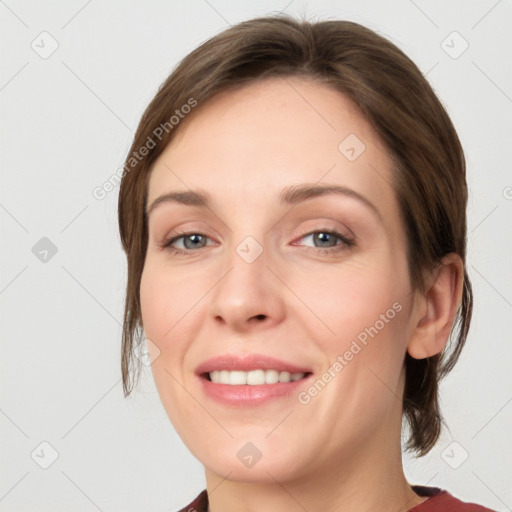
[429,174]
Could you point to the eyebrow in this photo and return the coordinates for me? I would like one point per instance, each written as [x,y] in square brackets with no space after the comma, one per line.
[291,195]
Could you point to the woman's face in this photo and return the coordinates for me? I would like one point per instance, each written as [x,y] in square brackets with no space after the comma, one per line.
[277,265]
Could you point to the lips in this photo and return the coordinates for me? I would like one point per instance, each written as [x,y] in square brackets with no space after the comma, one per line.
[246,387]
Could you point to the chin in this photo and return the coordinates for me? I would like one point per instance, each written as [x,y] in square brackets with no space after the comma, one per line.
[262,472]
[259,462]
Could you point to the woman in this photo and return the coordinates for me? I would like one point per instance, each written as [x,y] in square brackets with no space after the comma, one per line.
[293,214]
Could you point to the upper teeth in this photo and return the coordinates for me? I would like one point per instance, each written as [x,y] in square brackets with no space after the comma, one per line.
[253,378]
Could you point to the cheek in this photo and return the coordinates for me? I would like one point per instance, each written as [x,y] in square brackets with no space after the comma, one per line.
[153,302]
[360,315]
[166,301]
[165,304]
[348,300]
[360,326]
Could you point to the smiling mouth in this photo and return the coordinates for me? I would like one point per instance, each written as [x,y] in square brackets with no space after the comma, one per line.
[256,377]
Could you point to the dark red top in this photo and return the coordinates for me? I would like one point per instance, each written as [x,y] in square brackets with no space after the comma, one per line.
[439,501]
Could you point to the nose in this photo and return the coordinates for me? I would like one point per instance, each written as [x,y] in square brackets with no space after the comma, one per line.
[249,296]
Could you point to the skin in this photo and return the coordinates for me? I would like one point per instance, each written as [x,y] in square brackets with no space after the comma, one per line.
[340,451]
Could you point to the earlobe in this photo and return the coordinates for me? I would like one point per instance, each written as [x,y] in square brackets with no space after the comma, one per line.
[435,310]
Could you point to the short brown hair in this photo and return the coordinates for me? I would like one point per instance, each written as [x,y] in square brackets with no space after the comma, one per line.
[429,173]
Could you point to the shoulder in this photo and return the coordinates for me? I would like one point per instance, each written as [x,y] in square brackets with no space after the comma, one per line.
[439,500]
[200,504]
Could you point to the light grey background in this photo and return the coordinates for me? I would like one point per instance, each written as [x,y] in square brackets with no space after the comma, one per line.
[67,123]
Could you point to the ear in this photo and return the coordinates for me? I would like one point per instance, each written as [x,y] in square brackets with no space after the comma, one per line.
[434,311]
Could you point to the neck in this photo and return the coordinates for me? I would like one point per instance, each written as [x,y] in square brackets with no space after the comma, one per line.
[367,479]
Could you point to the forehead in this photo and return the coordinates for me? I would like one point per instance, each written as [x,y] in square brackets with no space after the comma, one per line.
[272,133]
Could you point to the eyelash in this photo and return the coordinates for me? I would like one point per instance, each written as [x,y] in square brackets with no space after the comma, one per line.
[346,242]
